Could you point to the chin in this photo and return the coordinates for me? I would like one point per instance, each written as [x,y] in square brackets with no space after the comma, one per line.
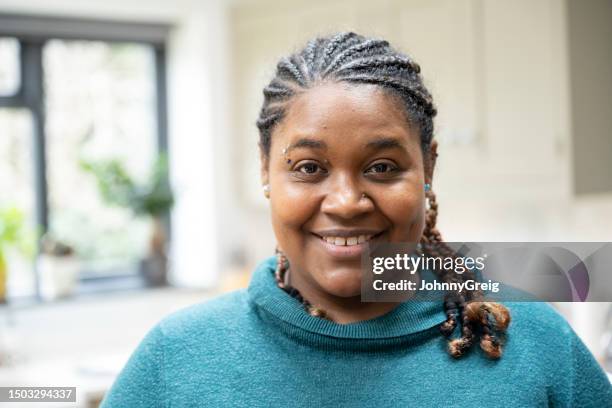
[342,283]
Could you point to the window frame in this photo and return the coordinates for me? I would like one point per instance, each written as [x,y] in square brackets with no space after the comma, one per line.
[32,32]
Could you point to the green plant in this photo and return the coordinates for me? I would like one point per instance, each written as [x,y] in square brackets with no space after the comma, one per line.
[13,233]
[152,197]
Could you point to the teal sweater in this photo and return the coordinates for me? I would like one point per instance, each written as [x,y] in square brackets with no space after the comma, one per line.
[259,348]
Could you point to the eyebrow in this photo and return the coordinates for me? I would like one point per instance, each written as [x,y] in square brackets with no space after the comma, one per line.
[379,144]
[307,143]
[386,143]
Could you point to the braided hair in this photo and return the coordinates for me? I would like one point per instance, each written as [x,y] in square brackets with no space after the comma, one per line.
[350,57]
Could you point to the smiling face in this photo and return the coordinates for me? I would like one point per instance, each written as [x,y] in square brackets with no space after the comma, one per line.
[336,142]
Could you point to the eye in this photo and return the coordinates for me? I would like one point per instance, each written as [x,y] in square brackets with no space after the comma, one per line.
[381,168]
[309,168]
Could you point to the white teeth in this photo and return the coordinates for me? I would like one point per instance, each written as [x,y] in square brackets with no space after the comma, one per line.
[345,241]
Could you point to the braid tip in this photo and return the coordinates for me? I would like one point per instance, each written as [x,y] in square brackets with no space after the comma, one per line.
[491,346]
[447,327]
[458,347]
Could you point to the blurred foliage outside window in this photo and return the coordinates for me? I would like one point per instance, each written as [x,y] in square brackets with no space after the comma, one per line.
[100,104]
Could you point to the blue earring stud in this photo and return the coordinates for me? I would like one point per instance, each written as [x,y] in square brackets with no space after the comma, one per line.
[427,187]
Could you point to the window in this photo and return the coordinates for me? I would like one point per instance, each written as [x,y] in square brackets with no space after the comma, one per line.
[9,68]
[100,103]
[79,90]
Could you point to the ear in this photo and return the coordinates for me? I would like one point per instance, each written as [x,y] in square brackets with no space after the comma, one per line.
[430,162]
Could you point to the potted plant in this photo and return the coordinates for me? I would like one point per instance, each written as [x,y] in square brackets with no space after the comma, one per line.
[58,269]
[13,235]
[152,198]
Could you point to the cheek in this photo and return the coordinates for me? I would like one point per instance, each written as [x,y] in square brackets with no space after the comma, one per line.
[404,206]
[291,207]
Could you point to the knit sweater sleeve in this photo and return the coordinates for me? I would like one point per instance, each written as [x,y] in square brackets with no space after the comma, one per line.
[583,383]
[140,382]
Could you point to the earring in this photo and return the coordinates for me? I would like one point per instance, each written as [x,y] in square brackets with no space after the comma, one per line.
[428,194]
[266,190]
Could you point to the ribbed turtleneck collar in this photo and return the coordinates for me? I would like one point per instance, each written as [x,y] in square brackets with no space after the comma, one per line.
[411,321]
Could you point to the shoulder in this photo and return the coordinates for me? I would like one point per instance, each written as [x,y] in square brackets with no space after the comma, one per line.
[538,326]
[541,336]
[539,316]
[537,332]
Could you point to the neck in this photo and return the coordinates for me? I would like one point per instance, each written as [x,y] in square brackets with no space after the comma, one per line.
[339,309]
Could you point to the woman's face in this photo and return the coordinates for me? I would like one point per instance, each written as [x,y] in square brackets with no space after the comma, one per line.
[336,142]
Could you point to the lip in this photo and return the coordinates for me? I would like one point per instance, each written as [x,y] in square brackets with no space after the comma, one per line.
[347,252]
[353,232]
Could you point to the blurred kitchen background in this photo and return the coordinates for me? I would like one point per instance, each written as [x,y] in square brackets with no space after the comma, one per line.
[128,146]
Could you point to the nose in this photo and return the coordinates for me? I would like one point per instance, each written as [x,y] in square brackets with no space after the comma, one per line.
[345,199]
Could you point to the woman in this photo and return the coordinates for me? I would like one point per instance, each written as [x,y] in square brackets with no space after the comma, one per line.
[347,157]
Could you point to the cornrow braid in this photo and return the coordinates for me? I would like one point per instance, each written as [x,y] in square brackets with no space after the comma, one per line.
[332,45]
[310,51]
[289,69]
[424,101]
[477,316]
[280,275]
[368,47]
[352,58]
[383,61]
